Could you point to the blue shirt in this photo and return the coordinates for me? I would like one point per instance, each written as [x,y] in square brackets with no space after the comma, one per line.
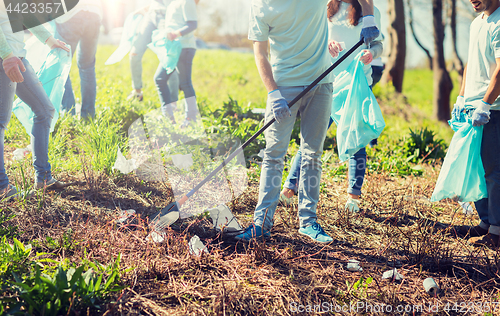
[298,35]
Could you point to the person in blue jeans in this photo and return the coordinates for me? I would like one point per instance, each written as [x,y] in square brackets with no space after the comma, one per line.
[154,18]
[180,22]
[478,97]
[344,26]
[298,35]
[80,28]
[17,77]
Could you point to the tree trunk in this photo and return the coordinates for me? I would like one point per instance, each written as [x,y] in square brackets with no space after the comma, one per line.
[395,67]
[442,81]
[457,62]
[410,23]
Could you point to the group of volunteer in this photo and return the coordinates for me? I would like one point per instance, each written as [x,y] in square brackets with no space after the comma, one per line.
[304,38]
[78,30]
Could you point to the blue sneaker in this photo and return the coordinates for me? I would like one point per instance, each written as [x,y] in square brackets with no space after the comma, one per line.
[316,233]
[252,233]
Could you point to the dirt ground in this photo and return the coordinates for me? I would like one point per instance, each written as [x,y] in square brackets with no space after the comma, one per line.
[287,274]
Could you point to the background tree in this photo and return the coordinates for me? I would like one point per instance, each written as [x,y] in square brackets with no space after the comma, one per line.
[413,32]
[442,81]
[395,66]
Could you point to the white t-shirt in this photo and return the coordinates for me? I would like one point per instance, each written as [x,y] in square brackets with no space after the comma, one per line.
[178,13]
[298,35]
[340,29]
[484,48]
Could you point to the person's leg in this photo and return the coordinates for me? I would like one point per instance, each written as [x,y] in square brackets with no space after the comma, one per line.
[376,74]
[7,90]
[277,140]
[32,93]
[139,47]
[161,81]
[315,116]
[356,175]
[491,163]
[185,67]
[71,36]
[86,63]
[292,181]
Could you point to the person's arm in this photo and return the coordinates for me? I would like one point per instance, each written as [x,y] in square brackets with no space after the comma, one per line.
[370,30]
[186,29]
[12,65]
[264,66]
[462,88]
[494,87]
[366,7]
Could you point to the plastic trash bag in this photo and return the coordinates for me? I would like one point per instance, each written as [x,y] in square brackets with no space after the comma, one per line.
[462,174]
[355,110]
[53,74]
[168,52]
[129,33]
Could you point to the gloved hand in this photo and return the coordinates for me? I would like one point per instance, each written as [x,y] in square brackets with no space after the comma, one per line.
[352,205]
[481,114]
[13,66]
[278,105]
[458,108]
[369,32]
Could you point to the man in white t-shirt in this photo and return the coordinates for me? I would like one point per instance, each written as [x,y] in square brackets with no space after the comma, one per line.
[479,97]
[297,32]
[80,28]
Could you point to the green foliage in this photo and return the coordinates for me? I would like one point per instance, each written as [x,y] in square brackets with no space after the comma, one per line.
[422,145]
[7,230]
[64,289]
[100,139]
[13,259]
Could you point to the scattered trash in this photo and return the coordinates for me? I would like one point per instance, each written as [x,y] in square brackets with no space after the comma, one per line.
[353,266]
[156,236]
[20,153]
[196,247]
[183,161]
[224,220]
[393,275]
[418,198]
[431,287]
[467,208]
[125,215]
[122,164]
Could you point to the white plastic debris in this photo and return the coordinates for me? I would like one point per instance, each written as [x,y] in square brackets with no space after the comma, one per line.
[353,266]
[124,215]
[431,287]
[196,247]
[261,153]
[183,161]
[156,236]
[20,153]
[466,208]
[223,219]
[393,275]
[123,164]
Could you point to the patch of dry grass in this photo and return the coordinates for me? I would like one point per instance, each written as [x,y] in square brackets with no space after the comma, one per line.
[397,228]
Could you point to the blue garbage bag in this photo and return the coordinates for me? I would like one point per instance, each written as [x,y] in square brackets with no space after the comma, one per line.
[355,110]
[129,33]
[462,174]
[168,52]
[53,74]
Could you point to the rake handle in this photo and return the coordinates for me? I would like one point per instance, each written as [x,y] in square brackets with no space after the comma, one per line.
[262,129]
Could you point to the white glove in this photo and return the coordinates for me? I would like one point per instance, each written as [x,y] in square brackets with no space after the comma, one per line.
[352,205]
